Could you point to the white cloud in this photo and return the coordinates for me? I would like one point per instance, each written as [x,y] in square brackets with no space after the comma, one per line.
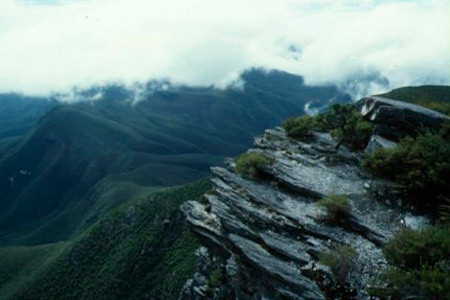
[46,48]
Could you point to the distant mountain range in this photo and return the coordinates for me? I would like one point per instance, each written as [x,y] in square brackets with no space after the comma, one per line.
[63,165]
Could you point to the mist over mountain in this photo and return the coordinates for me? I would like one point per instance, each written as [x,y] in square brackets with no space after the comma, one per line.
[81,159]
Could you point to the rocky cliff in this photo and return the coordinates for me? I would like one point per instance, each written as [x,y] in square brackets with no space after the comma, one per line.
[263,238]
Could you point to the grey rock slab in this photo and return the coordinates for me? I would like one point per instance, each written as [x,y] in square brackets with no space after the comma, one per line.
[372,104]
[277,268]
[318,181]
[286,246]
[404,117]
[377,142]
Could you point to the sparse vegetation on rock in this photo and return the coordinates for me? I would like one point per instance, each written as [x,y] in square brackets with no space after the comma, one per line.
[344,122]
[346,125]
[337,208]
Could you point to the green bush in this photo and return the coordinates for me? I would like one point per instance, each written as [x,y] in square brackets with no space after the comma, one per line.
[421,165]
[424,283]
[300,127]
[341,261]
[420,264]
[337,208]
[412,249]
[252,164]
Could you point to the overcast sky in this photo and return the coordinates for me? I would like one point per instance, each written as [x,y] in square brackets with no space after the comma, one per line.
[53,45]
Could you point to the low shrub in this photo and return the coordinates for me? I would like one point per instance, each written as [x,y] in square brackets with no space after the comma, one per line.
[337,208]
[299,127]
[341,262]
[420,265]
[424,283]
[252,164]
[411,249]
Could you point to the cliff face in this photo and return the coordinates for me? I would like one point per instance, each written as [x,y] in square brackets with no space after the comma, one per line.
[263,238]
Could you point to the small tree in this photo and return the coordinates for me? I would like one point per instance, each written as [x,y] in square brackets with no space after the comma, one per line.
[354,132]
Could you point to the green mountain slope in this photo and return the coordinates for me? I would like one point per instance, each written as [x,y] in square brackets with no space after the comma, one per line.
[82,159]
[140,250]
[20,265]
[19,113]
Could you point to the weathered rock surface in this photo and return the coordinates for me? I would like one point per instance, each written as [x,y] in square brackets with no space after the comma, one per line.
[376,142]
[264,236]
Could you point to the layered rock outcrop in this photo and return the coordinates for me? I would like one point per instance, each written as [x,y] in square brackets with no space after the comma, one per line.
[263,238]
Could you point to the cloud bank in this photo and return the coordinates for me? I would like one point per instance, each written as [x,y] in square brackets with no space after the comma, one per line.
[60,44]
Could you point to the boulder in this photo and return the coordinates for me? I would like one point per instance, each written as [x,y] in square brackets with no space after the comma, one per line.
[398,118]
